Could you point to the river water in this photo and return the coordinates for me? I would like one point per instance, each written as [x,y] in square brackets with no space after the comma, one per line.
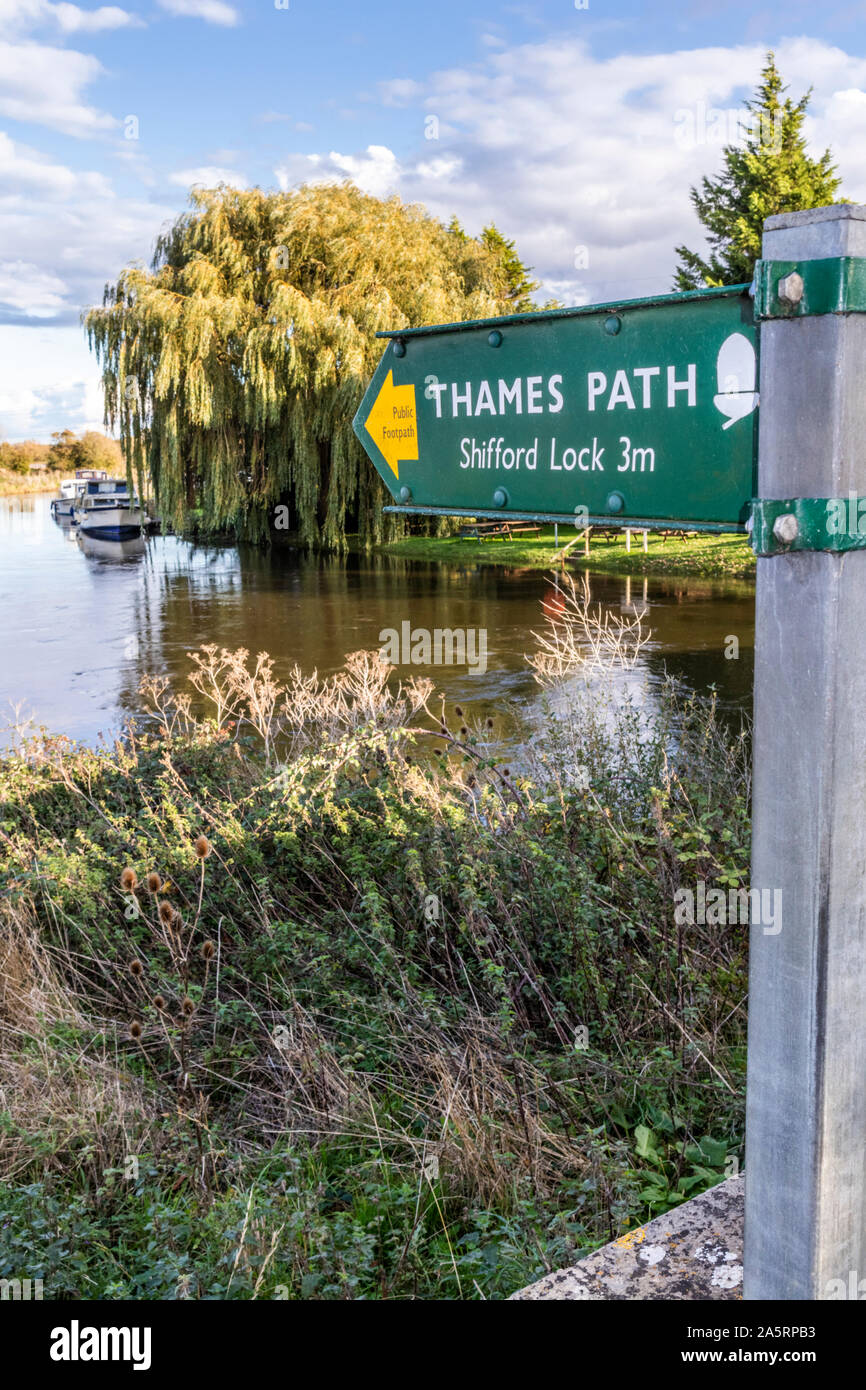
[81,627]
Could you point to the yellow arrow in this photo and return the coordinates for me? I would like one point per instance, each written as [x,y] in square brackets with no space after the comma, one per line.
[392,423]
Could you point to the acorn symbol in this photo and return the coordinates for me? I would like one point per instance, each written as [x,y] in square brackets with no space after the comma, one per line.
[736,370]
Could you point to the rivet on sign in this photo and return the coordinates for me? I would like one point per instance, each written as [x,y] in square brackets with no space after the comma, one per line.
[785,528]
[500,497]
[405,494]
[494,338]
[615,502]
[399,347]
[612,324]
[790,288]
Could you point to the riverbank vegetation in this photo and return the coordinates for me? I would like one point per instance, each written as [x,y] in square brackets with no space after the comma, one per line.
[234,367]
[14,483]
[726,555]
[295,1005]
[29,466]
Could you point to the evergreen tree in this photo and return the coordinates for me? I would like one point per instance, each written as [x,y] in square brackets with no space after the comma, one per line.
[233,368]
[769,172]
[519,287]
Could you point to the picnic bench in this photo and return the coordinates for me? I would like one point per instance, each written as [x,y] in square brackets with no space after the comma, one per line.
[487,530]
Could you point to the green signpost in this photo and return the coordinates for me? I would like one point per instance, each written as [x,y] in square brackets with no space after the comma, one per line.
[644,414]
[640,414]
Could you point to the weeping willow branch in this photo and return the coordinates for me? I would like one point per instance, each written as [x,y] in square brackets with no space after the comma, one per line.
[232,368]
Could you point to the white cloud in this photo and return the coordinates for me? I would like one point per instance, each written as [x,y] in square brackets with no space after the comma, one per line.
[44,85]
[576,156]
[400,91]
[73,20]
[33,292]
[214,11]
[63,232]
[26,171]
[207,176]
[50,381]
[376,171]
[22,15]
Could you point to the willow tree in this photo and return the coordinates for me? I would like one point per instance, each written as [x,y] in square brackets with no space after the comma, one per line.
[232,368]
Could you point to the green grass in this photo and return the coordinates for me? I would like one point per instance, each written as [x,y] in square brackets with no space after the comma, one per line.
[699,555]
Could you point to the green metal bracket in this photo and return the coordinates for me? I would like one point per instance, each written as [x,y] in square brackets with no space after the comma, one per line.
[801,289]
[834,524]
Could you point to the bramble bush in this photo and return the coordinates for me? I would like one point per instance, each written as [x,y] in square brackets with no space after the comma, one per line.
[346,1006]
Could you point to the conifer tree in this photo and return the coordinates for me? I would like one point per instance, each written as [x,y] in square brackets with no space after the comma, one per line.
[768,172]
[519,287]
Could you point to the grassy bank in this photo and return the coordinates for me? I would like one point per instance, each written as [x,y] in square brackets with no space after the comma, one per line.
[287,1012]
[698,555]
[12,482]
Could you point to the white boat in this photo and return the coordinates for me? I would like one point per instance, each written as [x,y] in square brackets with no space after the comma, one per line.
[106,511]
[72,488]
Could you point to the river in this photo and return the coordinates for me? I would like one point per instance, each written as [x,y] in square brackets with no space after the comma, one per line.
[81,628]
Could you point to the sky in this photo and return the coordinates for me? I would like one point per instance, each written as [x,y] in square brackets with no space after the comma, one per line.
[578,128]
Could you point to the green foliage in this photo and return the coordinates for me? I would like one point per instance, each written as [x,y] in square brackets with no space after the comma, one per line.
[340,1033]
[234,367]
[18,457]
[95,450]
[65,453]
[62,451]
[520,288]
[770,172]
[678,1170]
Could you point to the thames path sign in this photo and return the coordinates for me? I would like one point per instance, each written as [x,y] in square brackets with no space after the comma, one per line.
[638,414]
[645,414]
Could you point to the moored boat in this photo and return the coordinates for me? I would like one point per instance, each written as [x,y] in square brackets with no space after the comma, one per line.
[71,489]
[107,511]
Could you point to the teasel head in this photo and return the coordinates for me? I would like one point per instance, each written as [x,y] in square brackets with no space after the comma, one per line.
[490,723]
[129,880]
[443,730]
[135,1029]
[208,950]
[137,969]
[167,913]
[159,1003]
[458,711]
[463,731]
[188,1006]
[153,882]
[202,846]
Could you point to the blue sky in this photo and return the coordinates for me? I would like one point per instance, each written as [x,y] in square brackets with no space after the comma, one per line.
[578,131]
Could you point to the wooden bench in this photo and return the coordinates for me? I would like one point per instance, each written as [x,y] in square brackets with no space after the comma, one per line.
[488,530]
[482,530]
[522,529]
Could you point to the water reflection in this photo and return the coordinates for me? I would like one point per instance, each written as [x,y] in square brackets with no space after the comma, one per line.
[113,551]
[83,623]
